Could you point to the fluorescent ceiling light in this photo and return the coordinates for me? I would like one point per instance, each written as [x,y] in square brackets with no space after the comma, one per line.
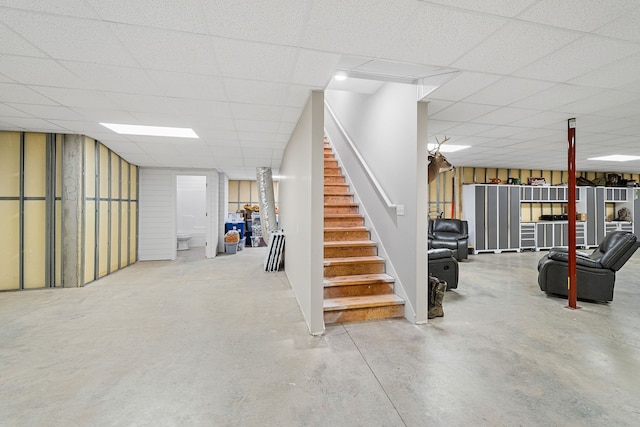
[616,158]
[340,75]
[151,130]
[447,148]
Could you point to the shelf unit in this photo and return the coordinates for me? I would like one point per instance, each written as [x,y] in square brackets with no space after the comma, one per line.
[494,214]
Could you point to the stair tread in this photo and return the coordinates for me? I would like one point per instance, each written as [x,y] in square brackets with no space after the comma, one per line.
[358,279]
[354,228]
[343,215]
[351,260]
[340,243]
[345,303]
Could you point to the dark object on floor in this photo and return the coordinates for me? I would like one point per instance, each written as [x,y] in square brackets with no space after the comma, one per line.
[596,272]
[444,266]
[450,234]
[437,289]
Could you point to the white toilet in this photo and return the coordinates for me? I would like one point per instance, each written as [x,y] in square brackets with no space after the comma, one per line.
[183,241]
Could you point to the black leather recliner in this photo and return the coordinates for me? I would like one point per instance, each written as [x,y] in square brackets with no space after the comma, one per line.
[444,266]
[450,234]
[596,272]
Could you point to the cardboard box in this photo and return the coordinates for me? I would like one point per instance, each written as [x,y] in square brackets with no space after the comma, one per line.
[581,216]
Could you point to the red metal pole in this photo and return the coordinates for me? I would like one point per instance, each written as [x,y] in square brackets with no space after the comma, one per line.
[571,279]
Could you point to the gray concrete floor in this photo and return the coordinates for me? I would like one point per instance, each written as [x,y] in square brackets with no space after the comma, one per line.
[221,343]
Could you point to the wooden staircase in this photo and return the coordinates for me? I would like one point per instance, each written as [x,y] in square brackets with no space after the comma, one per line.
[356,286]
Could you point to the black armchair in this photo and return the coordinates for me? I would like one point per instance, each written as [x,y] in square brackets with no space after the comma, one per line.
[450,234]
[444,266]
[596,272]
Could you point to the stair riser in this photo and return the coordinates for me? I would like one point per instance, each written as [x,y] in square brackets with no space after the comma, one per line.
[361,314]
[350,251]
[344,222]
[332,171]
[336,189]
[334,179]
[330,164]
[329,199]
[328,209]
[354,268]
[342,236]
[358,290]
[328,155]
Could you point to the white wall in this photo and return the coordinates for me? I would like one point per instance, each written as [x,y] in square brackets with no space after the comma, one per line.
[301,200]
[223,206]
[192,208]
[389,130]
[158,212]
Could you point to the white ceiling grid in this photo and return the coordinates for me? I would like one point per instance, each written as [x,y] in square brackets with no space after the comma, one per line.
[239,73]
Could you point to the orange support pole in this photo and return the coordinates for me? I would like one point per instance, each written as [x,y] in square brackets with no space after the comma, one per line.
[572,276]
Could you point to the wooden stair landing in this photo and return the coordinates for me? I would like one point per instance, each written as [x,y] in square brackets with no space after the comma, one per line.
[356,287]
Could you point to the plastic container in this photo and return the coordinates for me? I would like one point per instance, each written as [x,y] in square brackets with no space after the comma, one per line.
[230,248]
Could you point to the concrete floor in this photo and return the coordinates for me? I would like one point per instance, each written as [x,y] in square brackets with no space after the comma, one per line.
[221,343]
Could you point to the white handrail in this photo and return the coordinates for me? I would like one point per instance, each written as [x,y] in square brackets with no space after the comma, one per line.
[373,179]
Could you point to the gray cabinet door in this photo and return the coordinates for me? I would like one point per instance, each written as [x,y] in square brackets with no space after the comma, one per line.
[492,216]
[480,219]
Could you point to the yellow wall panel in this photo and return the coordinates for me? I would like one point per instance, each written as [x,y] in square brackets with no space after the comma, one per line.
[124,233]
[134,182]
[58,154]
[133,239]
[124,188]
[104,172]
[35,164]
[9,164]
[58,244]
[34,243]
[114,262]
[10,244]
[103,240]
[90,168]
[89,241]
[115,176]
[245,192]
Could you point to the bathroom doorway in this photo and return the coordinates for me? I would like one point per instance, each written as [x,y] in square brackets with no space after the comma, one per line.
[191,214]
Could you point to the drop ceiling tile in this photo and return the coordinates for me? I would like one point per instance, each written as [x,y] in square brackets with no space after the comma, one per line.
[604,99]
[32,124]
[38,71]
[507,91]
[348,62]
[542,119]
[504,115]
[314,68]
[14,44]
[439,126]
[142,103]
[277,154]
[501,132]
[262,137]
[256,126]
[536,134]
[123,147]
[495,7]
[255,61]
[614,75]
[357,85]
[111,78]
[257,153]
[555,97]
[203,123]
[569,62]
[256,112]
[297,96]
[69,38]
[263,144]
[251,91]
[469,129]
[383,67]
[624,28]
[168,50]
[75,97]
[10,92]
[185,15]
[463,85]
[291,114]
[436,105]
[76,8]
[629,109]
[276,21]
[601,125]
[200,107]
[186,85]
[462,112]
[577,14]
[286,128]
[46,111]
[358,27]
[441,42]
[257,163]
[105,115]
[513,46]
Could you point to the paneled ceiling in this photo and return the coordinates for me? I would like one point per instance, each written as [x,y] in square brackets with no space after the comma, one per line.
[240,72]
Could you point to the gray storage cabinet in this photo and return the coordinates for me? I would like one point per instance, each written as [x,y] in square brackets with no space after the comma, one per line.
[493,214]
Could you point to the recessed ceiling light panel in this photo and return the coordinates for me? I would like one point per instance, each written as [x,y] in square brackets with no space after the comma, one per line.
[616,158]
[447,148]
[151,130]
